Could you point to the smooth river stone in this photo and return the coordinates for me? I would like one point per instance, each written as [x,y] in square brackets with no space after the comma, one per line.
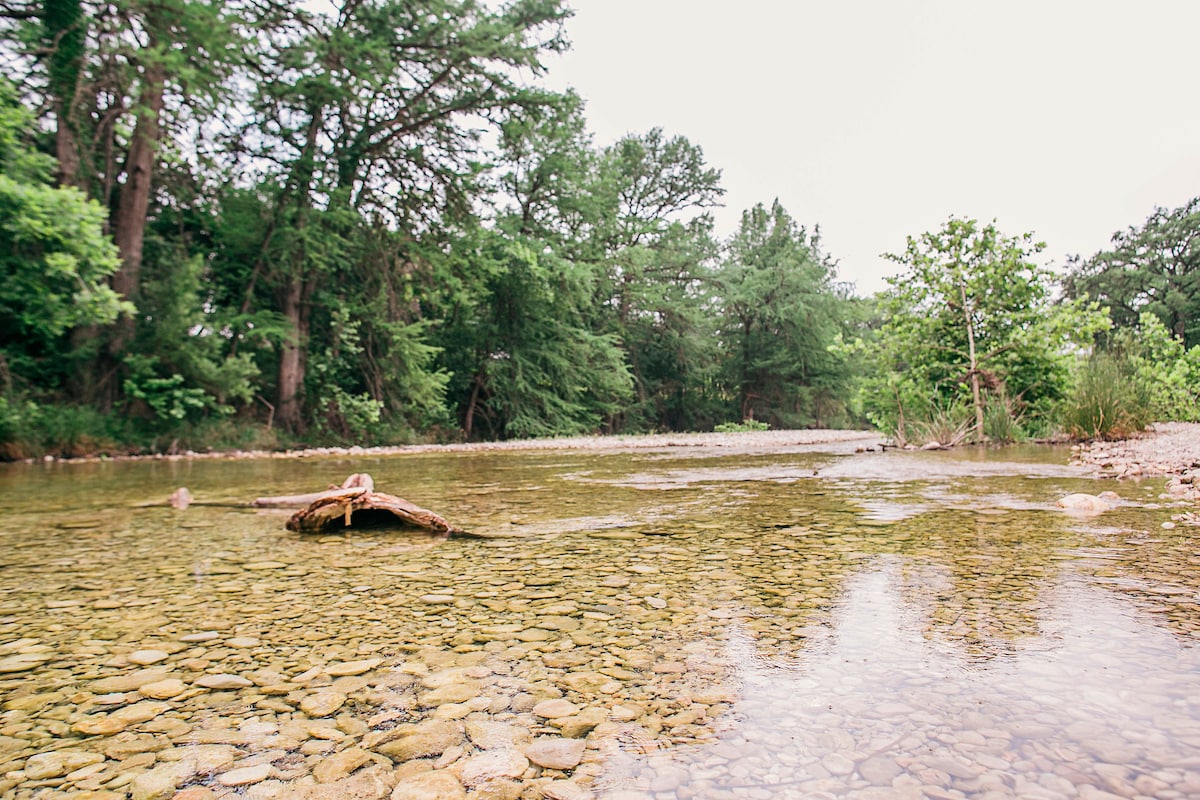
[160,783]
[437,599]
[99,725]
[339,765]
[141,712]
[340,669]
[454,693]
[244,776]
[493,764]
[201,636]
[555,753]
[242,642]
[322,704]
[440,785]
[147,657]
[58,763]
[164,689]
[23,662]
[554,709]
[223,680]
[487,734]
[565,790]
[421,740]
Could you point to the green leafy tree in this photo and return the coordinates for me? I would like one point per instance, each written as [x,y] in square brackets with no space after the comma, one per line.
[971,319]
[1154,268]
[524,359]
[652,244]
[1166,372]
[781,310]
[376,117]
[54,260]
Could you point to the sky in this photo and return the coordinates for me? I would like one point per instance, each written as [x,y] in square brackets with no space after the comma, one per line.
[879,119]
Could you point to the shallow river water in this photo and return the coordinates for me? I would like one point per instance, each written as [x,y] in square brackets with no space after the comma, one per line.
[702,622]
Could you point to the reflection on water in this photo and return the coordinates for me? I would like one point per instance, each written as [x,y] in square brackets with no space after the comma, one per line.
[649,625]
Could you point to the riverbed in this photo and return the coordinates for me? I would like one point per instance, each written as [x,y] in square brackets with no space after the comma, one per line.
[782,621]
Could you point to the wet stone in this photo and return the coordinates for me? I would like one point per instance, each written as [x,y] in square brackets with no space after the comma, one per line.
[552,753]
[147,657]
[322,704]
[429,786]
[556,708]
[58,763]
[223,681]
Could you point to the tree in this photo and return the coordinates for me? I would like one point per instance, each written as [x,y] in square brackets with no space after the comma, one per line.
[780,314]
[121,83]
[1154,268]
[972,314]
[525,361]
[54,260]
[376,115]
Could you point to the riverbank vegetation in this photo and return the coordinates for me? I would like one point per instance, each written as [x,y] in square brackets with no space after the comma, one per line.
[249,225]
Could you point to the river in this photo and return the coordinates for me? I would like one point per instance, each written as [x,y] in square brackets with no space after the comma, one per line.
[678,622]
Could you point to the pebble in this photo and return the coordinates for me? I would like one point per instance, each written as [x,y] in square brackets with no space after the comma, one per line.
[223,681]
[164,689]
[493,764]
[553,753]
[556,708]
[344,668]
[340,765]
[148,657]
[245,776]
[57,763]
[322,704]
[439,785]
[243,642]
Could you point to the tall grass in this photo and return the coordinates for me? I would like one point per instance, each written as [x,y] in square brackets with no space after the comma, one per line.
[1107,402]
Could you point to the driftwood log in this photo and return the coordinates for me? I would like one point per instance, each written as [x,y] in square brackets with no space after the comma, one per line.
[355,502]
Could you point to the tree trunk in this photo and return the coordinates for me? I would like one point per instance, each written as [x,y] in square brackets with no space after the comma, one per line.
[293,355]
[64,26]
[133,206]
[976,395]
[469,417]
[293,358]
[66,147]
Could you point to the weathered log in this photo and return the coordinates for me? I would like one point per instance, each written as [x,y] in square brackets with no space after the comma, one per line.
[359,481]
[358,506]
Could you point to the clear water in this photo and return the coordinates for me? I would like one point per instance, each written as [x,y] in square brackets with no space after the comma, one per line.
[799,623]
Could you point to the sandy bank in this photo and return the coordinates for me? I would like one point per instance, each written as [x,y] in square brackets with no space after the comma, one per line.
[743,441]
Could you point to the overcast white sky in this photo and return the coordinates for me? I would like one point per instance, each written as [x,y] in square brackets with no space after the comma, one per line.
[877,119]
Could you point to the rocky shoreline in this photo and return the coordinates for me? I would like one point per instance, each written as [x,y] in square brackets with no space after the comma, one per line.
[1168,449]
[740,440]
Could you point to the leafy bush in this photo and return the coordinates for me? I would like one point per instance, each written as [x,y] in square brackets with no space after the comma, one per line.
[1002,420]
[946,423]
[1107,401]
[744,426]
[351,417]
[1168,374]
[29,429]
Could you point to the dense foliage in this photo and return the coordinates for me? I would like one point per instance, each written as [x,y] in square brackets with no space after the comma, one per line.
[971,340]
[253,224]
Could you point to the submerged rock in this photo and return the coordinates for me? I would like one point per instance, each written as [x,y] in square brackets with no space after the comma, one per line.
[1084,503]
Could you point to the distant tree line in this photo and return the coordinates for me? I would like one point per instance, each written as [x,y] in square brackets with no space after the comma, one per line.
[249,224]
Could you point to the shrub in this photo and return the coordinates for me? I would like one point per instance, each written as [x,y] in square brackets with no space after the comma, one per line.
[1002,420]
[741,427]
[1107,402]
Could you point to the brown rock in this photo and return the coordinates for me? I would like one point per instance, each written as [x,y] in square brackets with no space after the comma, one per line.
[555,753]
[340,765]
[429,786]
